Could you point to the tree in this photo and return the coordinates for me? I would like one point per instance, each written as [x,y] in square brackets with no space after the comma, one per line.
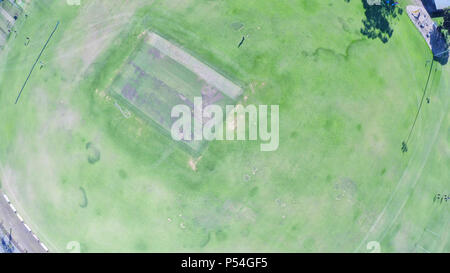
[444,27]
[446,24]
[379,17]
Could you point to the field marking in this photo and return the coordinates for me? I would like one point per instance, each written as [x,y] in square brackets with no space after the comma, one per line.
[27,227]
[6,198]
[12,208]
[419,174]
[419,246]
[432,232]
[43,246]
[163,157]
[125,113]
[114,28]
[34,65]
[98,21]
[76,51]
[87,45]
[421,101]
[20,217]
[403,179]
[100,32]
[105,32]
[29,230]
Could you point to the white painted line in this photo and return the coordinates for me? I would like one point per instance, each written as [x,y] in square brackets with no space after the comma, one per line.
[27,227]
[6,198]
[20,217]
[44,247]
[13,208]
[35,237]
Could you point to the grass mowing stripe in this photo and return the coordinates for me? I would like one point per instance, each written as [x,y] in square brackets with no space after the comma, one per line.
[37,60]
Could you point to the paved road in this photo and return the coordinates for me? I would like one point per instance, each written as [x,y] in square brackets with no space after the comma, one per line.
[9,220]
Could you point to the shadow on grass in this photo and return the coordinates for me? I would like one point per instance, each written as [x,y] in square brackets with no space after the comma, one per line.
[439,47]
[377,24]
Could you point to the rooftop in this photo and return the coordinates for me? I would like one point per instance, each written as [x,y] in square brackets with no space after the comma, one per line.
[442,4]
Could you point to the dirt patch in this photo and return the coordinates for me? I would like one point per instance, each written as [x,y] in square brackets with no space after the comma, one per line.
[193,163]
[346,189]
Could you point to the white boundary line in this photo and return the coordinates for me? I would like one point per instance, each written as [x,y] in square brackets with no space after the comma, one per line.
[25,225]
[13,208]
[20,217]
[43,246]
[6,198]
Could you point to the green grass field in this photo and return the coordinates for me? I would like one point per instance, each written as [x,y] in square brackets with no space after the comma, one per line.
[338,180]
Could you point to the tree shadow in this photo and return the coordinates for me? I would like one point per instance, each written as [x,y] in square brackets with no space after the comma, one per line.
[430,7]
[439,46]
[377,24]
